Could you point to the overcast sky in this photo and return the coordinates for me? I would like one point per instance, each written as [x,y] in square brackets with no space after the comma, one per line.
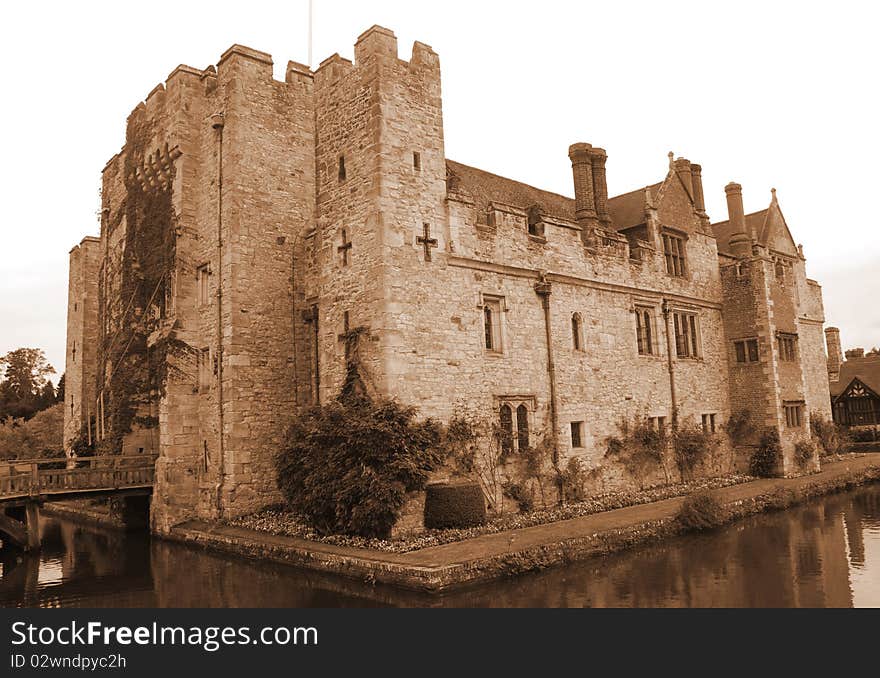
[769,94]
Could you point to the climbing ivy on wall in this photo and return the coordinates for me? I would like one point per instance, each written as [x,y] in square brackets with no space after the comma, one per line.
[134,373]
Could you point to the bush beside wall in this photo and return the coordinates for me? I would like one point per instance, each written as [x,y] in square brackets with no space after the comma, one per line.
[454,505]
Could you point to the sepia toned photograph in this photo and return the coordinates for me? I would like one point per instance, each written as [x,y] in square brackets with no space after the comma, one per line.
[339,304]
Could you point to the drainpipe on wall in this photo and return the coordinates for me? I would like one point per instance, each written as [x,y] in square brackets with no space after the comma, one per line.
[217,122]
[543,288]
[670,363]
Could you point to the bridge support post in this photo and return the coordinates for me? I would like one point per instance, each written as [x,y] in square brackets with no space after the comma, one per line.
[32,522]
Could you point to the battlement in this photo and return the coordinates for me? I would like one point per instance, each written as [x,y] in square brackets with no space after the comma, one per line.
[89,240]
[377,42]
[248,53]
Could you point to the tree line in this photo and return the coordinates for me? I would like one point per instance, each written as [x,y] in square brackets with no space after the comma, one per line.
[31,407]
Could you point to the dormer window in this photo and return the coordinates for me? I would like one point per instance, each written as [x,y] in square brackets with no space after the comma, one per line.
[536,222]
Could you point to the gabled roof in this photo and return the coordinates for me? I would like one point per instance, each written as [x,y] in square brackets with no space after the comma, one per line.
[484,187]
[866,370]
[768,226]
[629,209]
[755,223]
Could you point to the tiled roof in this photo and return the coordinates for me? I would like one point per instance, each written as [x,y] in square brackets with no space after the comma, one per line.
[629,209]
[484,187]
[724,230]
[866,370]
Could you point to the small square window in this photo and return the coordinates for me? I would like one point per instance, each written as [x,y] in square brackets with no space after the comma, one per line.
[787,347]
[752,346]
[417,161]
[577,434]
[794,414]
[708,423]
[746,351]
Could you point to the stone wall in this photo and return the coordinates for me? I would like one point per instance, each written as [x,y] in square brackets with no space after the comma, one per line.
[82,340]
[302,211]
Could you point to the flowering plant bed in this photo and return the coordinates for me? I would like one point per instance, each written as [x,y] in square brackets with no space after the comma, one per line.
[278,520]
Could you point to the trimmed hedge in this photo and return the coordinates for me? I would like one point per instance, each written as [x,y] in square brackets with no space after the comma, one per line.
[454,505]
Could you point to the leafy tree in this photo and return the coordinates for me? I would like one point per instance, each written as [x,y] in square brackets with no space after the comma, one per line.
[37,438]
[59,391]
[25,386]
[47,397]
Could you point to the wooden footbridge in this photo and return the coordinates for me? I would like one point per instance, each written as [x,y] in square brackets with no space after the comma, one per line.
[25,484]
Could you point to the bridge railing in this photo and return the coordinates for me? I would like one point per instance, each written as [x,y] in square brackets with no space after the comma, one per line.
[34,477]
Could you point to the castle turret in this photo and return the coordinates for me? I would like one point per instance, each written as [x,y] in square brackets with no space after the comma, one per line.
[740,242]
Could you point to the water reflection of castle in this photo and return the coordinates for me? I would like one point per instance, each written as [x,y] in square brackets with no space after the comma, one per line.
[818,555]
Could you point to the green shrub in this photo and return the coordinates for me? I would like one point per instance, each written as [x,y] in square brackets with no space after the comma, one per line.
[782,498]
[519,493]
[347,466]
[804,451]
[691,446]
[765,459]
[454,505]
[865,435]
[831,438]
[638,447]
[739,427]
[574,480]
[701,511]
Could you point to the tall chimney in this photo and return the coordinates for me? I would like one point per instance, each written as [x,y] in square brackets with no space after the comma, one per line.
[582,169]
[699,200]
[835,353]
[683,170]
[598,156]
[740,242]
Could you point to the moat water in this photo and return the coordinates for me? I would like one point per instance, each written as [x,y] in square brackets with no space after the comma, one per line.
[823,554]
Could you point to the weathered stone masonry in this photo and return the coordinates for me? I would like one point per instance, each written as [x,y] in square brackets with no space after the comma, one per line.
[251,226]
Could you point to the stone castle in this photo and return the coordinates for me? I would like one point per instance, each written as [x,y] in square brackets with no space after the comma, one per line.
[251,228]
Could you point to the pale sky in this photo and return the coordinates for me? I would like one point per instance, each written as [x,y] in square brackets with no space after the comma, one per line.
[769,94]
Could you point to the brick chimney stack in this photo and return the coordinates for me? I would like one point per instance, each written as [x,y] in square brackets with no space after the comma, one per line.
[835,353]
[699,200]
[598,156]
[683,170]
[584,198]
[740,242]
